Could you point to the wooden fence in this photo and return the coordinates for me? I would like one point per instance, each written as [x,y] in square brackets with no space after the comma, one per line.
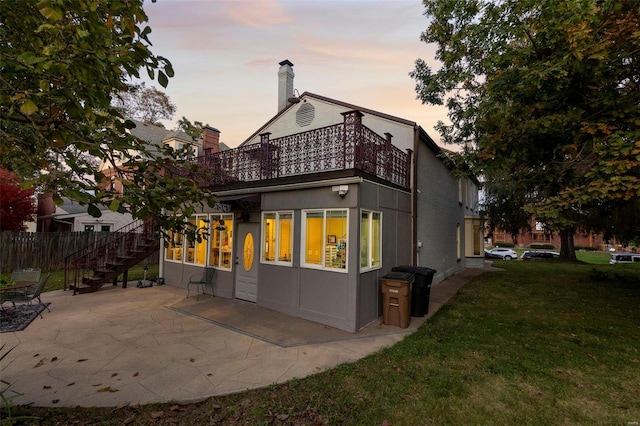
[44,250]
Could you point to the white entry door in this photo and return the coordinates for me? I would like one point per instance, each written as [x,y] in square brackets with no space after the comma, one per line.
[247,261]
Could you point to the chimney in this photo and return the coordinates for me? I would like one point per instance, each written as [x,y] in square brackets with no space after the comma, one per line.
[210,140]
[285,84]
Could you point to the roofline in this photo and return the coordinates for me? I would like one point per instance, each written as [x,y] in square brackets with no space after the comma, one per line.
[439,150]
[361,109]
[424,136]
[334,101]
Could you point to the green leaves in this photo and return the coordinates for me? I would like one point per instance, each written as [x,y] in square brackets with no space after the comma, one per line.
[62,62]
[49,12]
[548,93]
[94,211]
[163,79]
[28,107]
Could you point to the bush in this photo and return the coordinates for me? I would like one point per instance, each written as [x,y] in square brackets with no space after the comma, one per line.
[501,244]
[545,246]
[583,248]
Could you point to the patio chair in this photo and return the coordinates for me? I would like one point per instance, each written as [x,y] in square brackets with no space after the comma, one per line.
[27,274]
[29,295]
[200,281]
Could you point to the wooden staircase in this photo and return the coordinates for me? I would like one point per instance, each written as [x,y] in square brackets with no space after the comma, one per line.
[109,256]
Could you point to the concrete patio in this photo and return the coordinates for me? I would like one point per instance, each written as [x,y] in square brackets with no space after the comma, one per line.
[131,346]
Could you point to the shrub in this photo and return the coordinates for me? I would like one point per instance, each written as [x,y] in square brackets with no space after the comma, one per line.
[583,248]
[545,246]
[501,244]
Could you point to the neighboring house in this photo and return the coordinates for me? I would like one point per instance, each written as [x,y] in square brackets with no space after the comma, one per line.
[156,137]
[319,204]
[539,234]
[71,216]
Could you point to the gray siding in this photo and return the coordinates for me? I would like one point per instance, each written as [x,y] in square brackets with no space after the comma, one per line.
[438,214]
[348,301]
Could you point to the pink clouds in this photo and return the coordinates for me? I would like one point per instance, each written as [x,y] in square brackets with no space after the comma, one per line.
[226,56]
[256,13]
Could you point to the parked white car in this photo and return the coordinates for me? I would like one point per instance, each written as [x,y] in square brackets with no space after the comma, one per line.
[503,253]
[624,258]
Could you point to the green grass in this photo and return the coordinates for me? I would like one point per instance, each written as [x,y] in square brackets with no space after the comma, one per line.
[594,257]
[56,281]
[539,343]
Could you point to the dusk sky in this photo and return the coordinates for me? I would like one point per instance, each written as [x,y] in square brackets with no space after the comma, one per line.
[225,54]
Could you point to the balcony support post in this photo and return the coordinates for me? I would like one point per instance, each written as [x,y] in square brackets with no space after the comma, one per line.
[352,137]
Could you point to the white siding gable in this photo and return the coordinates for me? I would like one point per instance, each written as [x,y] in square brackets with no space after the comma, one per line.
[328,114]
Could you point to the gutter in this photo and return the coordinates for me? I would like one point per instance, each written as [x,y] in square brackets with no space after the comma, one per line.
[414,196]
[291,186]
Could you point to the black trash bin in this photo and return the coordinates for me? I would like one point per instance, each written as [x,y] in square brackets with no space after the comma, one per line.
[421,289]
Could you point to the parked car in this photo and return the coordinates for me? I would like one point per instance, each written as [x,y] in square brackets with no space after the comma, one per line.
[489,255]
[624,258]
[501,253]
[539,255]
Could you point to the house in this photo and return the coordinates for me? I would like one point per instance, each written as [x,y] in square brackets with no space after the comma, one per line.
[321,202]
[540,234]
[72,216]
[156,137]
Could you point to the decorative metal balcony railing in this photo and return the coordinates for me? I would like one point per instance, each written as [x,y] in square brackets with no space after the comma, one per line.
[348,145]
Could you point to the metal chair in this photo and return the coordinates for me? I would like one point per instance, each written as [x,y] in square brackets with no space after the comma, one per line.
[29,296]
[27,274]
[200,281]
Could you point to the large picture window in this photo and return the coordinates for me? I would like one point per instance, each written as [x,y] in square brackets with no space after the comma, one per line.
[277,237]
[370,240]
[196,250]
[221,240]
[173,247]
[324,234]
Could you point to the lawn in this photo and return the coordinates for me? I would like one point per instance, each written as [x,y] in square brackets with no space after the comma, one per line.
[540,343]
[56,281]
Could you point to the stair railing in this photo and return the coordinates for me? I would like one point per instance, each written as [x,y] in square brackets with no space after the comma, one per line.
[110,248]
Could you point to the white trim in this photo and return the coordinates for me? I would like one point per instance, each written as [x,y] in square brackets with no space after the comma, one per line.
[303,227]
[277,233]
[286,187]
[210,241]
[369,268]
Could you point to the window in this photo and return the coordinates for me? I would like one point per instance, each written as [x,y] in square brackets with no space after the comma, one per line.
[196,251]
[473,236]
[105,228]
[221,240]
[277,237]
[89,228]
[458,246]
[370,240]
[324,235]
[173,249]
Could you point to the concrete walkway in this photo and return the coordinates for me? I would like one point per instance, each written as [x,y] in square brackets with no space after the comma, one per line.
[126,346]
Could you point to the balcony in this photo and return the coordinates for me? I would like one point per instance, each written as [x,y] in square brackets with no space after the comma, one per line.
[345,146]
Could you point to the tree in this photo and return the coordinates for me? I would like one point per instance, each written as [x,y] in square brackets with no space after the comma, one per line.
[17,205]
[61,64]
[192,129]
[545,96]
[146,104]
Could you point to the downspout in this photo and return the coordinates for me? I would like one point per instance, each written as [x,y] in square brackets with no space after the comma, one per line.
[161,260]
[414,195]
